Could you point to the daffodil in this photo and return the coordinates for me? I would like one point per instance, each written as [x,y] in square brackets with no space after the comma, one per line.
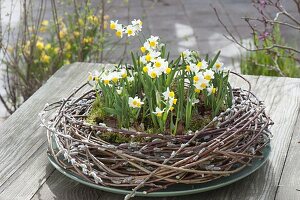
[195,101]
[143,49]
[201,83]
[153,73]
[90,76]
[197,77]
[115,76]
[158,112]
[135,102]
[106,79]
[151,56]
[153,41]
[130,30]
[161,64]
[211,90]
[113,25]
[94,76]
[202,64]
[119,30]
[123,73]
[137,24]
[145,69]
[186,54]
[168,70]
[218,66]
[146,46]
[188,68]
[209,74]
[172,101]
[193,68]
[168,94]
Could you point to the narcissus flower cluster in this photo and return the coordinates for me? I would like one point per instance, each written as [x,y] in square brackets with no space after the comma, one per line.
[131,30]
[154,92]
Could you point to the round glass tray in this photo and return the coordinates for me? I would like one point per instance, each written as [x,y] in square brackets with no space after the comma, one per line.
[177,189]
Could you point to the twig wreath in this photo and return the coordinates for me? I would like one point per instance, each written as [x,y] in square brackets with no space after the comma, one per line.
[156,123]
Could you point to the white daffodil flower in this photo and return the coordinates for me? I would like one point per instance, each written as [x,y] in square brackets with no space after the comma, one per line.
[202,64]
[198,76]
[106,79]
[137,24]
[152,56]
[193,68]
[172,101]
[119,30]
[147,46]
[209,74]
[153,41]
[161,64]
[211,90]
[195,101]
[135,102]
[123,73]
[158,112]
[168,94]
[154,72]
[115,76]
[218,66]
[113,24]
[202,83]
[130,30]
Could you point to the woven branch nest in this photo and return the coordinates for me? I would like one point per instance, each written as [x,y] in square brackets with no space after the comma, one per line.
[238,136]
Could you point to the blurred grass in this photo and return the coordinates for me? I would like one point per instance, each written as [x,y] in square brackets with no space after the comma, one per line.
[265,62]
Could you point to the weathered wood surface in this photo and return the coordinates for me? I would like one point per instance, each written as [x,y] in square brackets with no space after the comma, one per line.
[25,172]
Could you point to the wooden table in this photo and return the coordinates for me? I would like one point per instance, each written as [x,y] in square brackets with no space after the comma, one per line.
[25,172]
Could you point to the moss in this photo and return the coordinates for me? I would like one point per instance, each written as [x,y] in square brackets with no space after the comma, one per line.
[198,122]
[114,137]
[97,114]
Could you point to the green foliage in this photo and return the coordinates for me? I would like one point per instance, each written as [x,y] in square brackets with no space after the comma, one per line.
[267,62]
[44,46]
[173,114]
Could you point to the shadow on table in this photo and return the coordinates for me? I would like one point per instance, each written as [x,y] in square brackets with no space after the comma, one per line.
[61,187]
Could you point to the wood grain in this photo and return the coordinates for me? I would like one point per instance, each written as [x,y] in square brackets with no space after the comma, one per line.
[26,173]
[21,136]
[289,185]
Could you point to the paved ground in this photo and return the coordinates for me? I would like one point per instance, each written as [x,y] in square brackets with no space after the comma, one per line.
[189,24]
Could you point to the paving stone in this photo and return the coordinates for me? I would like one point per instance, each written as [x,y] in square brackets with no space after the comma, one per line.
[163,10]
[168,22]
